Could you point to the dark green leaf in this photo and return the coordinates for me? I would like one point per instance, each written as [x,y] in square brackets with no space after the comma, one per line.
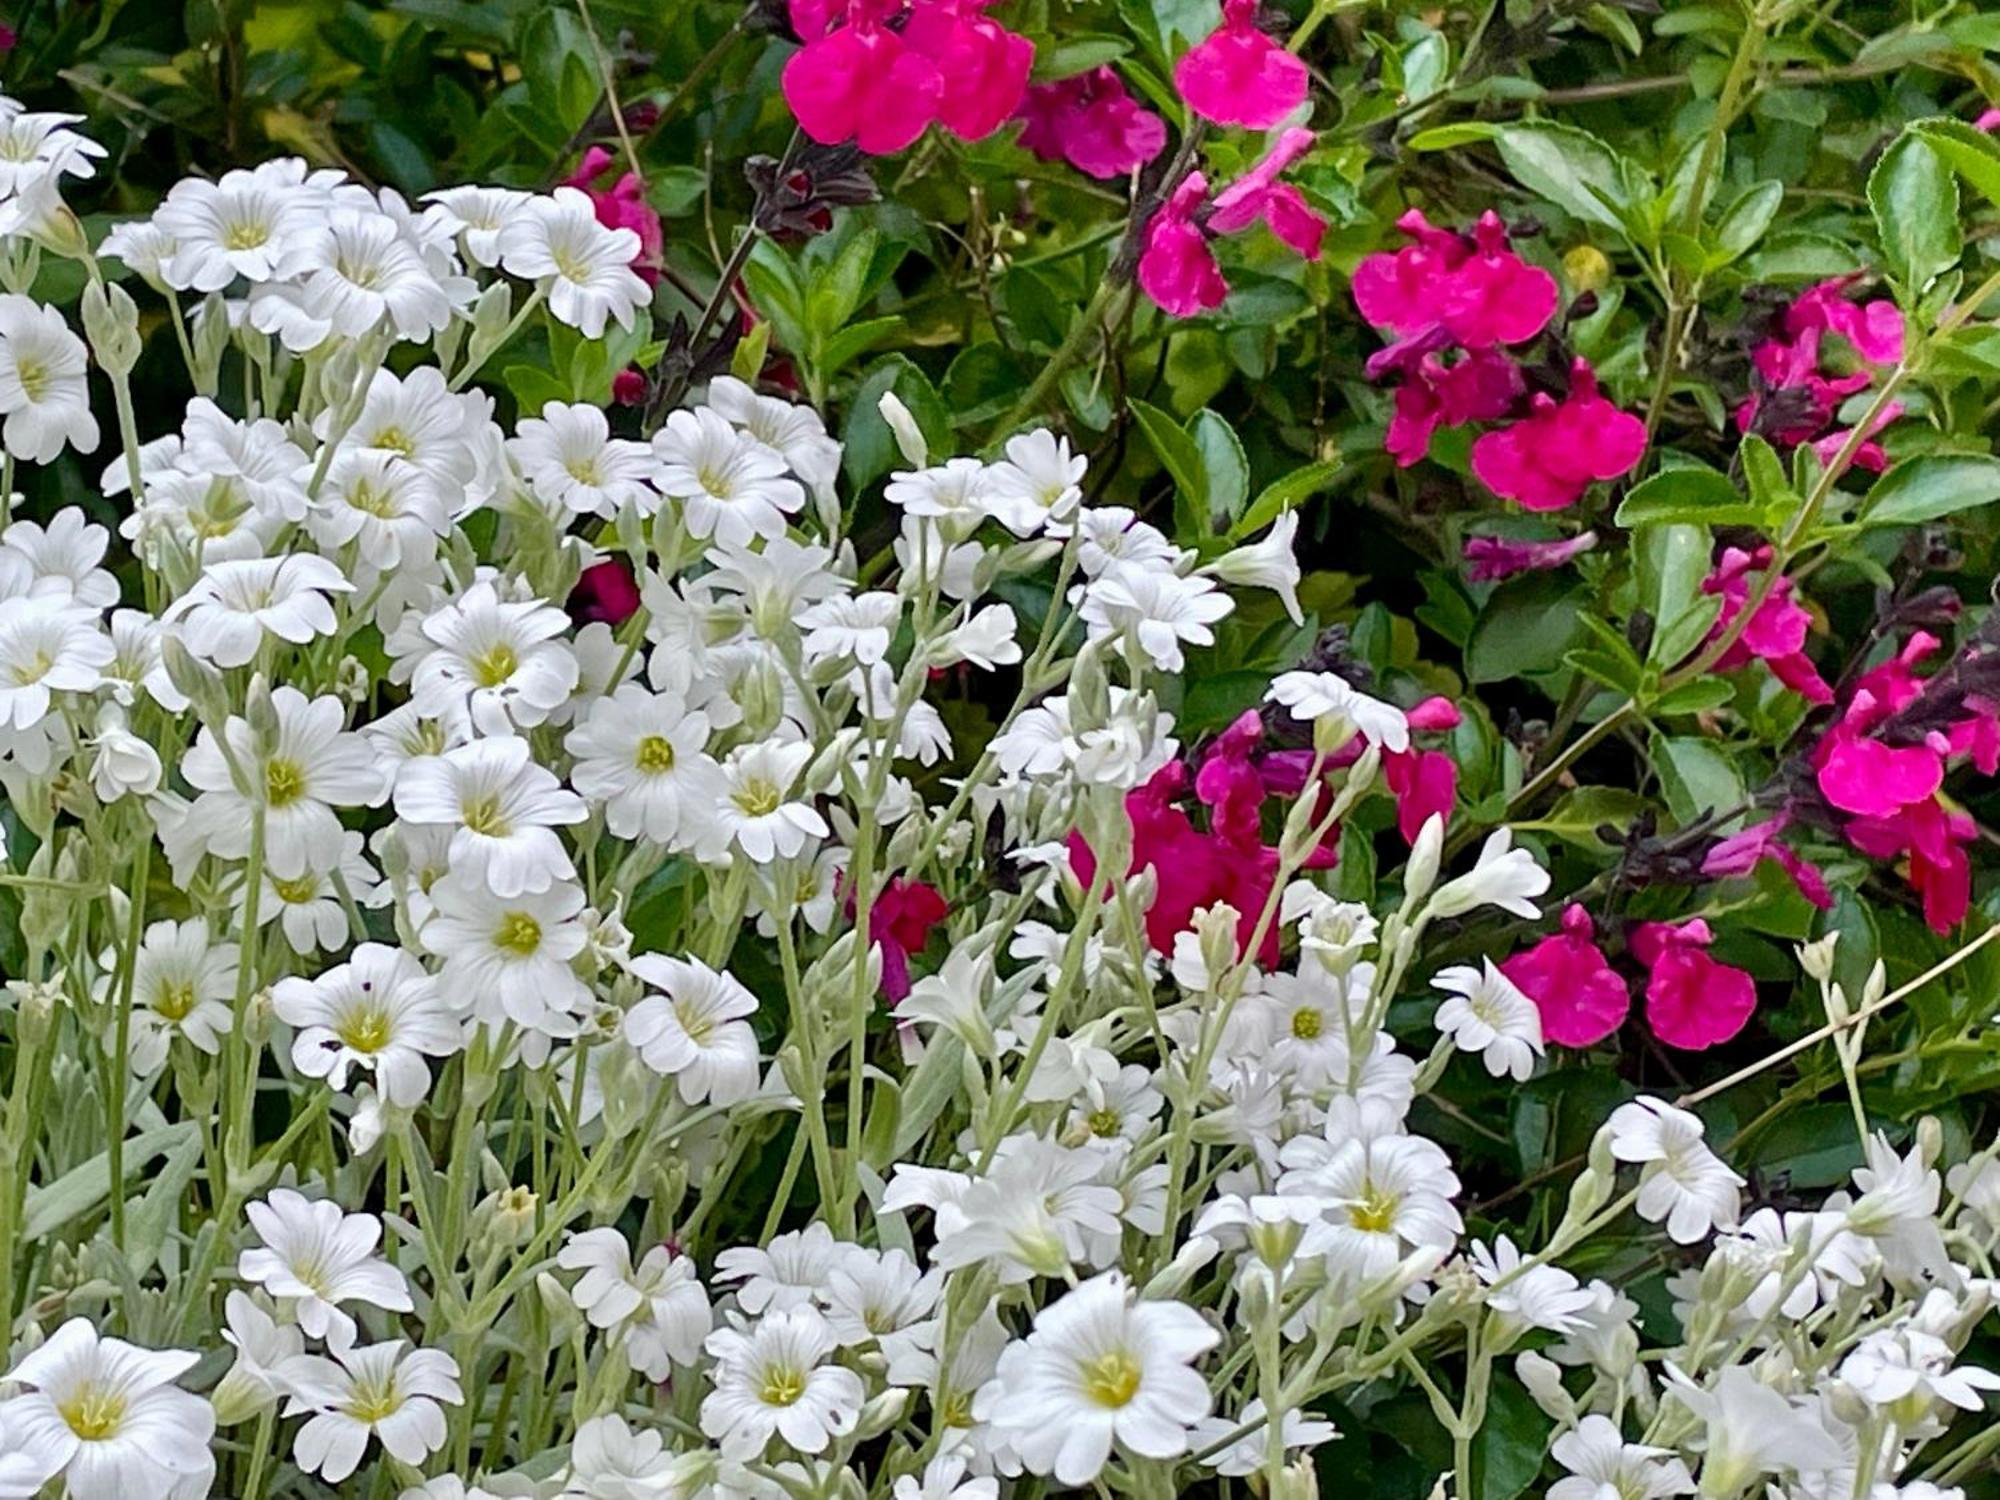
[1915,199]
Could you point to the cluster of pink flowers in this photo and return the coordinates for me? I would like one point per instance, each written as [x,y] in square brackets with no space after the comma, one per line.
[1798,389]
[1692,1001]
[1776,633]
[1091,122]
[880,72]
[1887,776]
[623,205]
[1177,267]
[1452,303]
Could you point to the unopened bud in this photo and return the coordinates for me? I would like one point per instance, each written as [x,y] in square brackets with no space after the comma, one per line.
[1586,268]
[1421,873]
[111,323]
[1542,1377]
[1817,958]
[909,437]
[881,1413]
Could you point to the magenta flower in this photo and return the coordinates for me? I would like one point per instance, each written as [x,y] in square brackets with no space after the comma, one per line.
[1228,782]
[900,919]
[1480,387]
[1692,1002]
[623,206]
[1869,454]
[1548,459]
[604,592]
[1091,122]
[1492,558]
[1580,996]
[1791,360]
[1425,782]
[1873,780]
[1776,634]
[1177,269]
[1933,839]
[1238,75]
[984,66]
[1477,290]
[1989,119]
[1258,194]
[1741,853]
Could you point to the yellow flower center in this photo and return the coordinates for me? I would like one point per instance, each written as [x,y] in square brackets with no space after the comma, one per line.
[655,755]
[297,892]
[284,782]
[34,669]
[697,1026]
[759,799]
[1104,1122]
[519,934]
[364,1028]
[495,666]
[782,1386]
[373,500]
[1305,1024]
[174,1001]
[484,815]
[373,1401]
[1111,1379]
[1376,1212]
[93,1413]
[245,234]
[35,377]
[395,440]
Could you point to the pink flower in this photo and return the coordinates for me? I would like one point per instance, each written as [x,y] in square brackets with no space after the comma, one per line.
[1776,634]
[1988,120]
[1548,459]
[1933,839]
[1229,784]
[862,83]
[1741,853]
[605,591]
[1874,780]
[1177,269]
[984,66]
[1091,122]
[1238,75]
[1477,290]
[1692,1002]
[1491,558]
[1480,387]
[1869,454]
[900,919]
[1424,782]
[1258,194]
[629,386]
[1875,329]
[1580,996]
[1790,363]
[623,206]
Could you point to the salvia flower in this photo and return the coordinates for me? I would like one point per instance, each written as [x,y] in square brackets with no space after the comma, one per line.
[1490,559]
[1799,383]
[1775,634]
[1091,122]
[1692,1002]
[1177,266]
[1581,997]
[1547,460]
[1238,75]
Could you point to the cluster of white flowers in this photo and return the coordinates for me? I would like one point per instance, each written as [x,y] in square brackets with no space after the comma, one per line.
[516,1075]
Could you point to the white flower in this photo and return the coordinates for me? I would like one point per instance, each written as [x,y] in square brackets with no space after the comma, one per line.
[1384,1197]
[507,659]
[452,438]
[510,956]
[136,662]
[123,763]
[754,811]
[63,559]
[588,267]
[1154,610]
[360,271]
[502,808]
[1248,1453]
[609,1460]
[695,1031]
[225,617]
[1038,488]
[774,1379]
[182,985]
[47,646]
[789,1272]
[387,507]
[644,757]
[478,216]
[378,1390]
[1267,564]
[1682,1182]
[951,495]
[1489,1015]
[851,627]
[317,1256]
[105,1416]
[1602,1465]
[1751,1430]
[986,640]
[380,1012]
[731,487]
[661,1305]
[43,392]
[311,911]
[1342,708]
[262,1344]
[254,224]
[1897,1212]
[1530,1296]
[1912,1366]
[1033,1214]
[869,1296]
[793,430]
[1100,1370]
[1505,877]
[571,459]
[312,766]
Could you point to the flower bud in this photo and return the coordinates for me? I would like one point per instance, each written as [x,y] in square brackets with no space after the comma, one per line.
[1421,873]
[1172,1279]
[1542,1377]
[1296,1480]
[1586,268]
[61,232]
[881,1413]
[1817,958]
[909,437]
[111,323]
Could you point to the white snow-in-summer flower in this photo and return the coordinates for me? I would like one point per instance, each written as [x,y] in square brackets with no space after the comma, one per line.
[237,604]
[1101,1370]
[47,646]
[1601,1464]
[478,216]
[317,1256]
[660,1305]
[506,659]
[182,986]
[379,1012]
[695,1030]
[757,810]
[571,460]
[1488,1014]
[503,810]
[43,394]
[644,757]
[1681,1181]
[511,957]
[387,1391]
[775,1378]
[586,266]
[1503,876]
[1153,611]
[730,486]
[1039,486]
[253,223]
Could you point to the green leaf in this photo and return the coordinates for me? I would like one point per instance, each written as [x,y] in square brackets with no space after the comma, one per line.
[1770,491]
[870,447]
[1281,495]
[1914,196]
[1695,697]
[1226,470]
[1444,137]
[1697,778]
[1527,626]
[1671,562]
[1973,154]
[1743,223]
[1182,459]
[1078,53]
[1578,815]
[82,1188]
[1690,493]
[852,342]
[1934,485]
[1562,164]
